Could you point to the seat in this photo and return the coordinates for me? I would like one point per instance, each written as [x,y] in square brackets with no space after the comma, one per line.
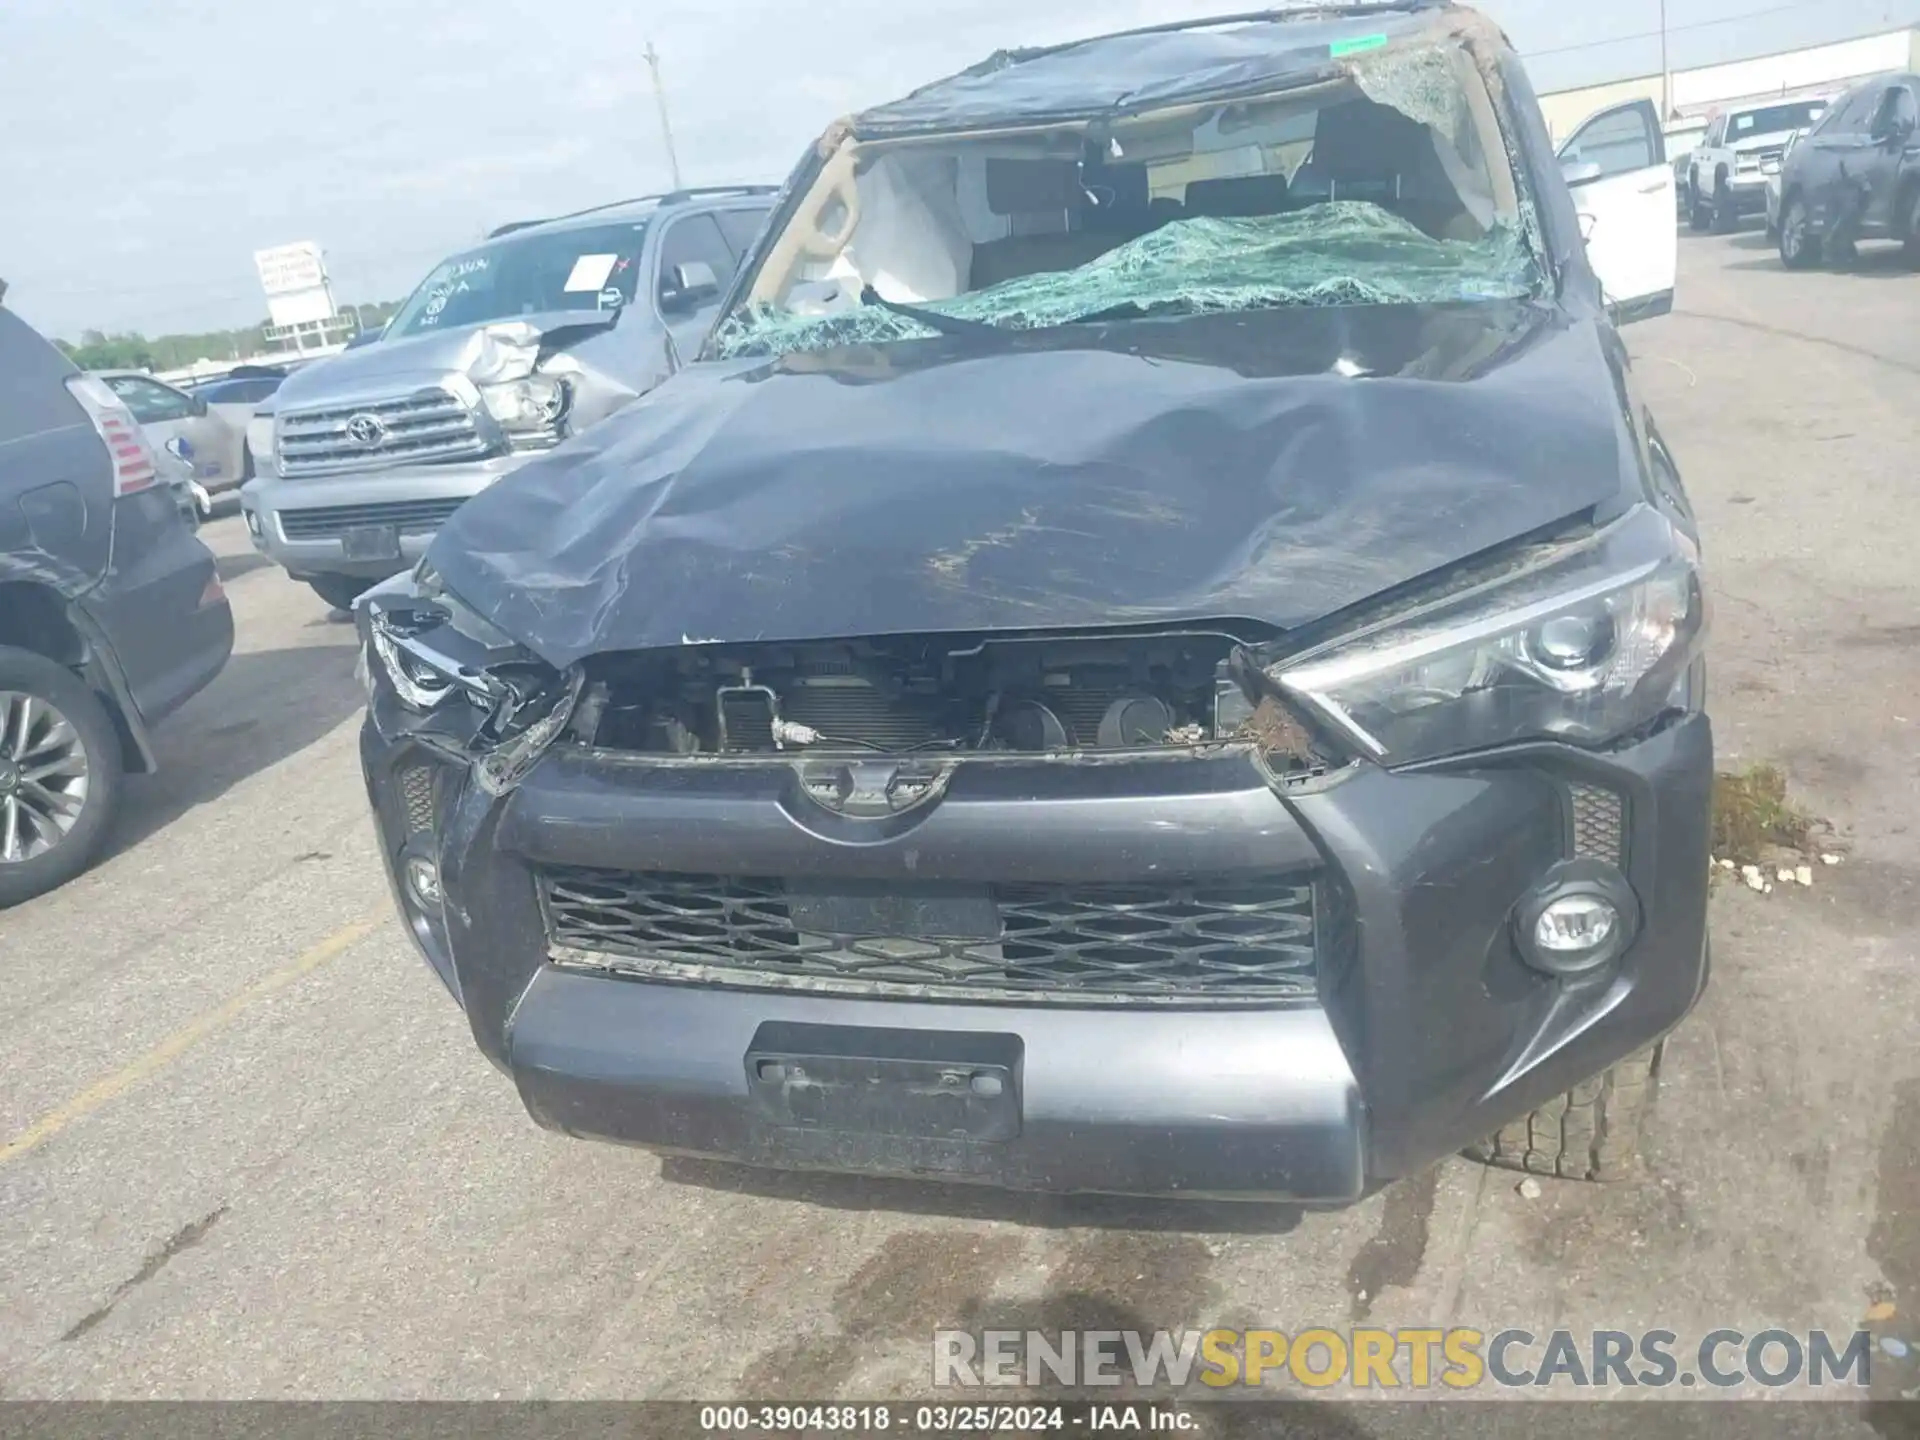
[1238,196]
[1363,150]
[1044,202]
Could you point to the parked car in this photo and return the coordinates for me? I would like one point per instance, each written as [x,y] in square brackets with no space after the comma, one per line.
[501,353]
[235,395]
[111,611]
[211,444]
[1157,650]
[1775,171]
[1856,176]
[1727,175]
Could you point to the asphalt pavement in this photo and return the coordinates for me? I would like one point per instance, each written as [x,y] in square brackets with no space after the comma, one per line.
[247,1148]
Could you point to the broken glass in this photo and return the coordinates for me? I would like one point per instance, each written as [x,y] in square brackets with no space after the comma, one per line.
[1346,252]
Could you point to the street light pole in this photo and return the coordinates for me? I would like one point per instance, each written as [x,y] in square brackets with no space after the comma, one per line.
[1666,71]
[652,58]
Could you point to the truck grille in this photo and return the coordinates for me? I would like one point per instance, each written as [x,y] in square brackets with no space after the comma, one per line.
[428,425]
[329,522]
[1192,942]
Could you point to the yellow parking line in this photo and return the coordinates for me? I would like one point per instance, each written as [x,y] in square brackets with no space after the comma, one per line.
[182,1040]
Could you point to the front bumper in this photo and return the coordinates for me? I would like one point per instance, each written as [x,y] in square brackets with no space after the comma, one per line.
[1424,1030]
[301,525]
[1748,191]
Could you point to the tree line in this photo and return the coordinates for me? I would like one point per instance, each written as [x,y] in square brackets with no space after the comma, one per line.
[130,350]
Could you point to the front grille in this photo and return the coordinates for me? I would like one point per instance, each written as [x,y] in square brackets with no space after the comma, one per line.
[429,425]
[1193,942]
[328,522]
[1598,822]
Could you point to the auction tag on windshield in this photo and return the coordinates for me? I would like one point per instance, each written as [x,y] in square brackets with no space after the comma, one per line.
[590,272]
[1354,46]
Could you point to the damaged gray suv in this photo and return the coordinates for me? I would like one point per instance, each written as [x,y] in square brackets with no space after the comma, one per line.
[1158,651]
[502,352]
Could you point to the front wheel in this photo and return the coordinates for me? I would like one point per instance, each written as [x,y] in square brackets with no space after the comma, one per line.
[1799,246]
[1590,1133]
[1699,216]
[60,775]
[1726,210]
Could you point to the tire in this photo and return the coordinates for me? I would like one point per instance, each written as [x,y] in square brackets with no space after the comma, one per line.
[1726,212]
[1910,235]
[24,819]
[1799,246]
[1698,215]
[1590,1133]
[339,591]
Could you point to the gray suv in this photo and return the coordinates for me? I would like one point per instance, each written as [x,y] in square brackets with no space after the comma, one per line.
[500,354]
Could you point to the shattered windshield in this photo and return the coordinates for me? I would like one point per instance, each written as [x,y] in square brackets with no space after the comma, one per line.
[1393,187]
[588,268]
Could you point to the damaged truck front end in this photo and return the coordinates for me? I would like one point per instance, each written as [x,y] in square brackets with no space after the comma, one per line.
[1156,652]
[1185,910]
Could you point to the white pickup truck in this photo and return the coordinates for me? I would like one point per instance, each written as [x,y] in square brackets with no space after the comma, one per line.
[1726,178]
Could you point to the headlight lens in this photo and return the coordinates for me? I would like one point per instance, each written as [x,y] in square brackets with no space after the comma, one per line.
[1582,649]
[421,673]
[420,684]
[534,402]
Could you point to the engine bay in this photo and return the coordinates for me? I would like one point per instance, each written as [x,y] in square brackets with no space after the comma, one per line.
[922,695]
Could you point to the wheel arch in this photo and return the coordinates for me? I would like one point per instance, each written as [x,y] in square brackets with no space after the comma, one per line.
[39,619]
[1905,196]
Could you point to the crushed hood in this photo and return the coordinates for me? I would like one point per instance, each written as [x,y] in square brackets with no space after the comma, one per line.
[1274,466]
[388,365]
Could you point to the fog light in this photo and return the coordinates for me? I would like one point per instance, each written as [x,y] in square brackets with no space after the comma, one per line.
[253,523]
[423,881]
[1580,918]
[1576,925]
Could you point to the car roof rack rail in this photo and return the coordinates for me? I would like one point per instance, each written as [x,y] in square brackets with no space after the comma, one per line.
[1279,10]
[669,197]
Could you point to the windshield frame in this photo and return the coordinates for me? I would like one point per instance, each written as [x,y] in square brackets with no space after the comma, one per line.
[1507,147]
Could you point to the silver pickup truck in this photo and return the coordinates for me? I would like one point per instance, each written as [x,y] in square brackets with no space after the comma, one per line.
[501,353]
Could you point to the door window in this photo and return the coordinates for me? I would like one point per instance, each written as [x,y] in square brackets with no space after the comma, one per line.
[694,240]
[741,227]
[1854,112]
[149,400]
[1618,141]
[1895,112]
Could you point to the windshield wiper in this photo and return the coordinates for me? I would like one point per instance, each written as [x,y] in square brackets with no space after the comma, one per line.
[1133,310]
[932,319]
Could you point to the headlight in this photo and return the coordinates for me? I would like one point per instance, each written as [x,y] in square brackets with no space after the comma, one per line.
[534,402]
[421,673]
[1583,648]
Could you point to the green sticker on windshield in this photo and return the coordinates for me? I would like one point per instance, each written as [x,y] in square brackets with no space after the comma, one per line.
[1359,42]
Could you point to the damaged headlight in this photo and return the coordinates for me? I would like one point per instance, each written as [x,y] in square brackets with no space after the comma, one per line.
[1585,647]
[534,402]
[516,706]
[414,650]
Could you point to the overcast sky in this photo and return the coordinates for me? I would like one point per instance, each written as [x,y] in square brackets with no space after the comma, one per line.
[150,146]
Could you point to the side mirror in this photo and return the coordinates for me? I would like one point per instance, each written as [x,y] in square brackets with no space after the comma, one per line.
[685,286]
[1579,172]
[198,404]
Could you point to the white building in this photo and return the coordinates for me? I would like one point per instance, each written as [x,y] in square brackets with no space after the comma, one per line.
[1693,95]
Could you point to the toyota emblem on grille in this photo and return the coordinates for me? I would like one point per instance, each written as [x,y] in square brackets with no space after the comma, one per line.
[367,431]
